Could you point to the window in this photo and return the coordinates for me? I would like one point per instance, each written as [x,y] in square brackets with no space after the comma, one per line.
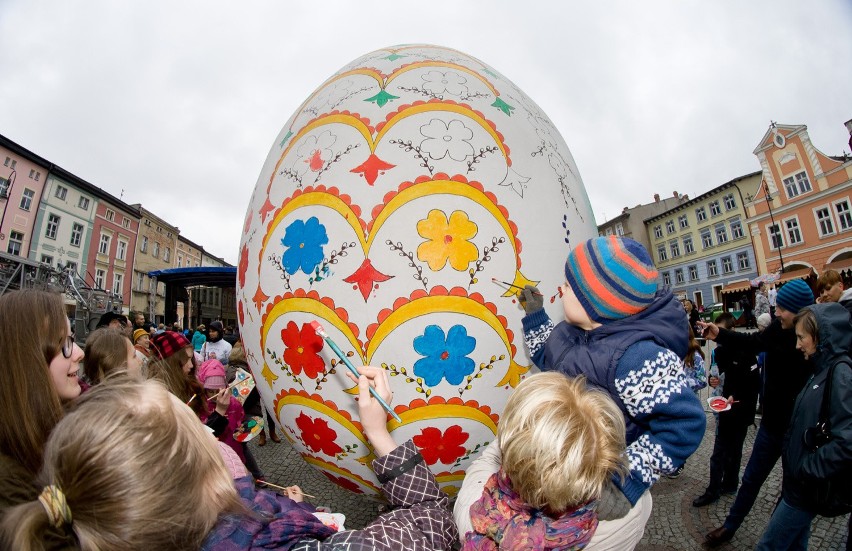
[125,222]
[775,238]
[159,229]
[52,226]
[706,239]
[844,217]
[715,209]
[4,188]
[700,214]
[121,253]
[683,221]
[675,248]
[148,223]
[32,173]
[797,184]
[38,175]
[16,241]
[100,276]
[608,232]
[693,273]
[27,199]
[7,161]
[670,228]
[140,281]
[661,253]
[824,221]
[742,261]
[167,254]
[169,235]
[83,203]
[721,234]
[619,230]
[47,259]
[76,234]
[667,278]
[712,268]
[687,245]
[730,203]
[793,232]
[679,276]
[736,229]
[156,250]
[727,265]
[117,283]
[103,247]
[144,248]
[61,192]
[180,260]
[658,231]
[71,267]
[110,215]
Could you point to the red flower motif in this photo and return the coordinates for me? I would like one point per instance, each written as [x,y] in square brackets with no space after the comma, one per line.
[344,483]
[446,447]
[243,267]
[365,277]
[371,168]
[301,349]
[317,435]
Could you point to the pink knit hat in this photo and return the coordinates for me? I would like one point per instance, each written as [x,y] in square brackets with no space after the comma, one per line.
[211,374]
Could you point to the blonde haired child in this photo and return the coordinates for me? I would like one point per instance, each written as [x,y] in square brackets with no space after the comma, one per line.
[558,444]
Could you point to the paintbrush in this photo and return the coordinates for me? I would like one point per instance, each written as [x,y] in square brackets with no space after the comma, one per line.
[277,487]
[232,385]
[321,332]
[495,280]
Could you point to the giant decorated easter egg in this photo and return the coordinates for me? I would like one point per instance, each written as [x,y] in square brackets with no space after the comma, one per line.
[402,206]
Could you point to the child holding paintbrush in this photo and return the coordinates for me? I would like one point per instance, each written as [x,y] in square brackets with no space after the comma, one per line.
[211,375]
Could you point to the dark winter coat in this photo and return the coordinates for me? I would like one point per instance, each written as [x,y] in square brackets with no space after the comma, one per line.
[804,470]
[784,371]
[741,381]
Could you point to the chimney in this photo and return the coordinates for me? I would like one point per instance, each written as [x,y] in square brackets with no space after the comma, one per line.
[656,197]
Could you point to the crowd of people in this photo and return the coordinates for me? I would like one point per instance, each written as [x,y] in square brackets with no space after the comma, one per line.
[129,443]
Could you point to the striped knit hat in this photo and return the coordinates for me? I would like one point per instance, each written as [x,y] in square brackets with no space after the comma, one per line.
[794,295]
[613,277]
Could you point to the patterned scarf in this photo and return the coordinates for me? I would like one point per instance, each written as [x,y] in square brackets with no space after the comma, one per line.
[501,520]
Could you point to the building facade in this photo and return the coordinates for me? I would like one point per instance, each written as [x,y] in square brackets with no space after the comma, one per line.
[702,245]
[218,303]
[801,217]
[22,178]
[155,249]
[631,222]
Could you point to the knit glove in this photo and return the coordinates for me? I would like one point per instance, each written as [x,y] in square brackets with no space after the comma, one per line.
[613,505]
[531,299]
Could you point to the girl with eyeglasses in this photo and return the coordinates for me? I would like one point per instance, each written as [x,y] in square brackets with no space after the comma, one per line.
[39,362]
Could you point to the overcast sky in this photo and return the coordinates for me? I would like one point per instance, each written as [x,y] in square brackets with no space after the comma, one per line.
[175,104]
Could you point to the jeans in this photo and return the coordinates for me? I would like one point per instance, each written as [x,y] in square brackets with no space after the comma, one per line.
[764,455]
[788,529]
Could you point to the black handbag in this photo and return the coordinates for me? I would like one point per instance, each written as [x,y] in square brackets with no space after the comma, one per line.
[835,493]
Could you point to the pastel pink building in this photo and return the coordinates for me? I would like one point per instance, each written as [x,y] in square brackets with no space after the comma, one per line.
[22,178]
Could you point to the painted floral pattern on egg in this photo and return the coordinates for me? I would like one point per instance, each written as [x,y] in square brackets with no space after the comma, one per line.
[402,206]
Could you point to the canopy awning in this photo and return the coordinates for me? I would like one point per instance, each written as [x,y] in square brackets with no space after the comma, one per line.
[211,276]
[840,265]
[736,287]
[765,278]
[801,273]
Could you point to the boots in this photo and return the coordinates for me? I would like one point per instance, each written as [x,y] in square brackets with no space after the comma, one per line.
[273,435]
[261,440]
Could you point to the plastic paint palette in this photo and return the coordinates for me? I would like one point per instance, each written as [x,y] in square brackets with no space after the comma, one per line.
[248,429]
[718,404]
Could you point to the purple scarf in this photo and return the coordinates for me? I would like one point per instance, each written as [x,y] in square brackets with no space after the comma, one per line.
[501,520]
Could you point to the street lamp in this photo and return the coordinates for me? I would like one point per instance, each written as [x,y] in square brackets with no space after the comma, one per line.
[5,192]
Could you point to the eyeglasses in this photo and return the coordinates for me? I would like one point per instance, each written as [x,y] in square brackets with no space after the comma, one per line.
[68,346]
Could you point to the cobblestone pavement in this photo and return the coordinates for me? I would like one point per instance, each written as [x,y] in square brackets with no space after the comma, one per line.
[674,524]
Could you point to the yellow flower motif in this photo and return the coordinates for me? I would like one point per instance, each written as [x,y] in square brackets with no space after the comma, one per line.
[447,240]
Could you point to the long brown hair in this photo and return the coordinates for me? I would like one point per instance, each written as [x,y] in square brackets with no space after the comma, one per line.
[184,386]
[106,352]
[137,469]
[694,346]
[32,328]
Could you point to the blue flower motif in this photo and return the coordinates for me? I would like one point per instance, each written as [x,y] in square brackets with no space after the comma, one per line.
[446,358]
[303,241]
